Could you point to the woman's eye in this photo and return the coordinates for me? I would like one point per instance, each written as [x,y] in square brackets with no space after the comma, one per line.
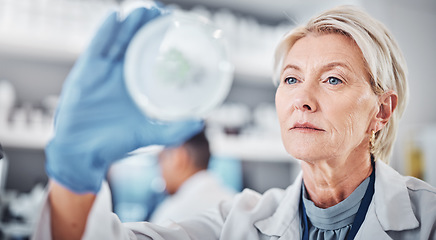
[290,80]
[334,81]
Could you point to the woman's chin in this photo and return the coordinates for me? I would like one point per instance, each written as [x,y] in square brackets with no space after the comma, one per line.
[310,155]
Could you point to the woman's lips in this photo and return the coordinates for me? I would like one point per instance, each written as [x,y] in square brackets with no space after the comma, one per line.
[306,127]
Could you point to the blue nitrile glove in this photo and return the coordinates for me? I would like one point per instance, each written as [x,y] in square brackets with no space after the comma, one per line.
[97,122]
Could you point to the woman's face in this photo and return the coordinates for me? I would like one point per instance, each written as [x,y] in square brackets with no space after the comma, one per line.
[324,102]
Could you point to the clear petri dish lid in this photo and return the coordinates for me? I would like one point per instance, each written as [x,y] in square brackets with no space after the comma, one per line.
[177,67]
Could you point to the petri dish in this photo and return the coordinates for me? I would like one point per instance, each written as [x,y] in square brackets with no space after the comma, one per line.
[177,67]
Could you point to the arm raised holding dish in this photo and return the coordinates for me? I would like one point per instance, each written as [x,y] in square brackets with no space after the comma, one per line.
[97,123]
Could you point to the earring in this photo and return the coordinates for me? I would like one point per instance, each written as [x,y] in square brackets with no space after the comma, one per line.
[372,142]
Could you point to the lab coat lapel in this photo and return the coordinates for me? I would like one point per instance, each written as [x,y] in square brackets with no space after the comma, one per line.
[285,222]
[390,209]
[391,199]
[371,227]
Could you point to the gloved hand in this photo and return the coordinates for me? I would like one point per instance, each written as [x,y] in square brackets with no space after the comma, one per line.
[97,122]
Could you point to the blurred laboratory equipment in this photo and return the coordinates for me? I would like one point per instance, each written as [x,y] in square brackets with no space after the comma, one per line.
[26,124]
[49,27]
[17,209]
[420,153]
[19,213]
[414,159]
[7,100]
[428,143]
[231,118]
[248,134]
[266,120]
[3,169]
[178,67]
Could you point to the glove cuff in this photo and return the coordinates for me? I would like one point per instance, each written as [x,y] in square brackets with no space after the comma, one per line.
[77,171]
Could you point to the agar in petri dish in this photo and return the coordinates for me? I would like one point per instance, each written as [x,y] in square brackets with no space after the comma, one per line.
[177,67]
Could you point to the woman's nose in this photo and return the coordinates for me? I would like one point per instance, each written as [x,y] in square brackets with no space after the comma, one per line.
[305,99]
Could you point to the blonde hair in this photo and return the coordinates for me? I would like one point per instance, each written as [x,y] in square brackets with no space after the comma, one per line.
[383,58]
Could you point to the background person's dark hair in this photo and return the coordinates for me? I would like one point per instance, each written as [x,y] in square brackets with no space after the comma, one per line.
[198,148]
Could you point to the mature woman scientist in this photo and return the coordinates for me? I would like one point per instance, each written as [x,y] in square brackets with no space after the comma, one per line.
[341,92]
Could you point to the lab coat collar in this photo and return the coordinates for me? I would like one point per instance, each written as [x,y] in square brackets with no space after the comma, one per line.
[286,218]
[390,210]
[391,199]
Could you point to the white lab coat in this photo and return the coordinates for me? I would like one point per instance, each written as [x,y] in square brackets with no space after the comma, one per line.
[197,194]
[402,208]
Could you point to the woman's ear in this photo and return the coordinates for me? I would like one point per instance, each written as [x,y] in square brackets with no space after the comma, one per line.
[387,103]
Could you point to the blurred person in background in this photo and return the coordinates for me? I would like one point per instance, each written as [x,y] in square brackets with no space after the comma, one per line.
[341,92]
[192,188]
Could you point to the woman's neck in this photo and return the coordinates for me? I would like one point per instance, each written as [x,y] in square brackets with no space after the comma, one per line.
[328,183]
